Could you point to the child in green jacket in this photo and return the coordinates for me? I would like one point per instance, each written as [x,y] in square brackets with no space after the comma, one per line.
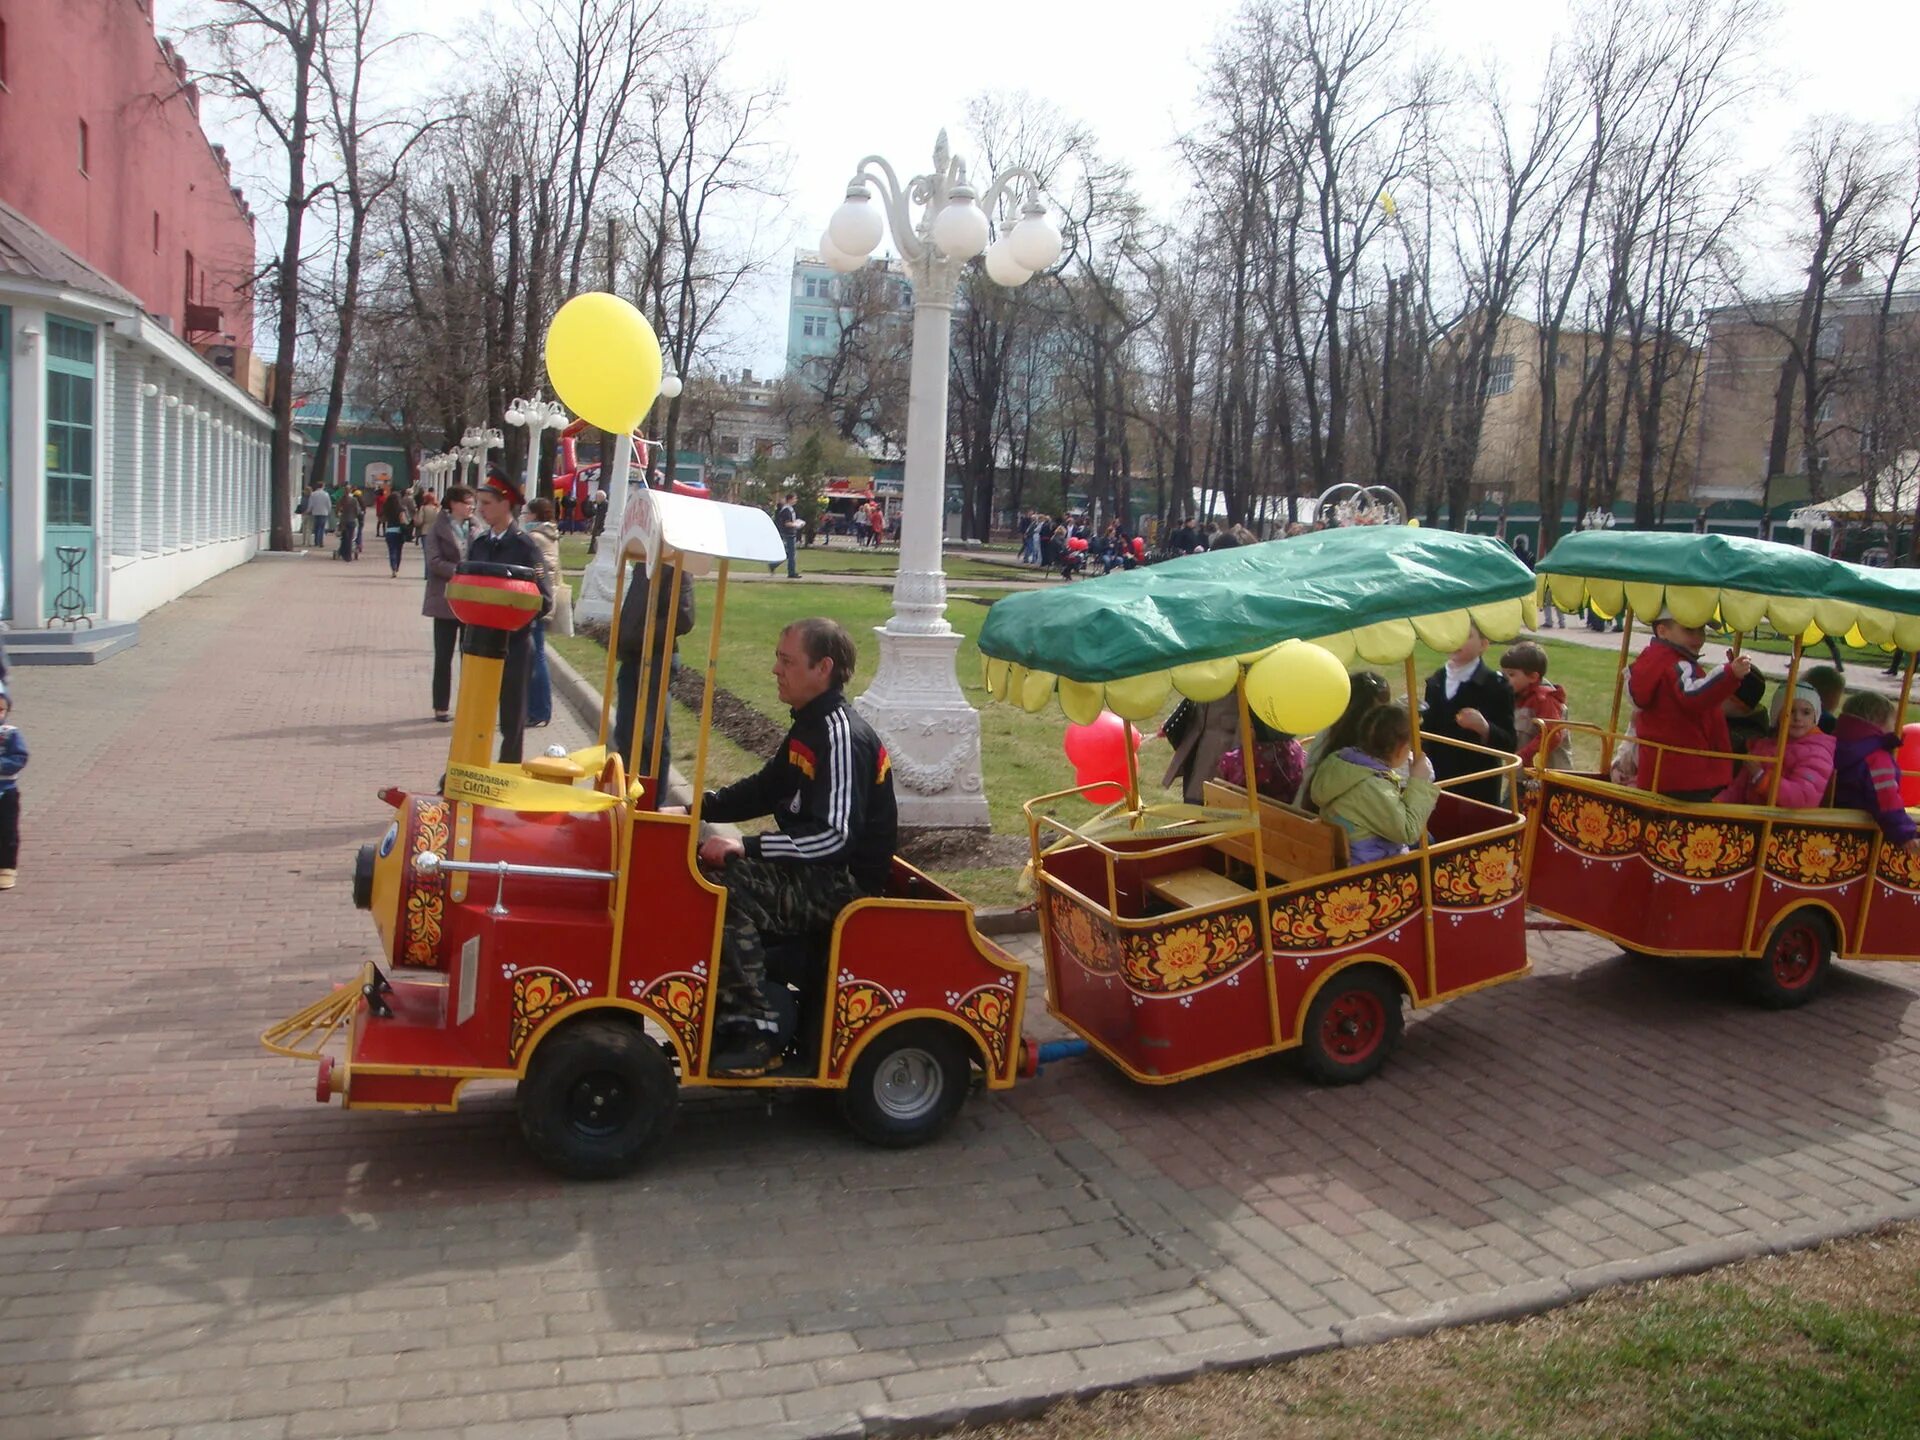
[1359,789]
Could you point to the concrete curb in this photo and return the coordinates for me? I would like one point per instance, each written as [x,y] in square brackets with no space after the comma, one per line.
[1514,1302]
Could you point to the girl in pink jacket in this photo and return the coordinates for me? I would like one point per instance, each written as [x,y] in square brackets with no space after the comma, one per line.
[1808,765]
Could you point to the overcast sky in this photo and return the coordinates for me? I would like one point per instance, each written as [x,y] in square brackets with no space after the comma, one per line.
[860,80]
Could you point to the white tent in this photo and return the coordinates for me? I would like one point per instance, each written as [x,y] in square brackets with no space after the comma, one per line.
[1895,491]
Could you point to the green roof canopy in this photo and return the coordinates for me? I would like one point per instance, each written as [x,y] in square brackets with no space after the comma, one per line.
[1740,581]
[1191,622]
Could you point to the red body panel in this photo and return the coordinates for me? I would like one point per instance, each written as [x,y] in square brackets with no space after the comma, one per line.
[1662,876]
[1171,996]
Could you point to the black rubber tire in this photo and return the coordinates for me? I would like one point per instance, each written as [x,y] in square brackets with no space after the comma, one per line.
[908,1085]
[1352,1027]
[1794,966]
[598,1097]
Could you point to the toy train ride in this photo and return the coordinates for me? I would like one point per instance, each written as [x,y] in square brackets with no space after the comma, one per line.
[547,924]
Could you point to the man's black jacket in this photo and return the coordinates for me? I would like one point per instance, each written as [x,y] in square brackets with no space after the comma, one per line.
[829,788]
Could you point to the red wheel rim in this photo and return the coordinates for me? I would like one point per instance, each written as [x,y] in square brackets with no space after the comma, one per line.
[1353,1025]
[1796,957]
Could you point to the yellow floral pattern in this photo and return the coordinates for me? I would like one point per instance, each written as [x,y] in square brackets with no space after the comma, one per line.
[1817,857]
[1592,825]
[1899,869]
[1346,913]
[424,897]
[856,1005]
[1700,849]
[678,1000]
[990,1008]
[1089,943]
[1184,957]
[1484,875]
[536,995]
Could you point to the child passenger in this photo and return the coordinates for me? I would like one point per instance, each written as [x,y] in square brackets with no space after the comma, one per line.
[1367,691]
[1535,700]
[1831,686]
[1278,764]
[1360,788]
[1679,703]
[1809,759]
[1866,776]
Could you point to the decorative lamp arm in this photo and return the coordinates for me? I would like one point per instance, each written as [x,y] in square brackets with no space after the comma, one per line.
[893,204]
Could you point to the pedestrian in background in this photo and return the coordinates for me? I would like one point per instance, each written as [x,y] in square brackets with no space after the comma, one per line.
[319,509]
[350,514]
[13,759]
[424,516]
[445,547]
[396,519]
[546,539]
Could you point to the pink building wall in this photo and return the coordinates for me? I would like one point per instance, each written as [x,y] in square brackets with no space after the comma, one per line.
[154,190]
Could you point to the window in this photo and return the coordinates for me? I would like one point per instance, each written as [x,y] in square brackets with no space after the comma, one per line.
[187,297]
[156,232]
[818,287]
[69,423]
[1500,379]
[1823,412]
[3,54]
[83,147]
[729,444]
[814,327]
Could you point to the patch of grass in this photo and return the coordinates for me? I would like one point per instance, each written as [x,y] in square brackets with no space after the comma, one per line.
[1823,1345]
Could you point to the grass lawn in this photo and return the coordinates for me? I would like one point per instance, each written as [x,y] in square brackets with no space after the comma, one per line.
[1823,1345]
[844,558]
[1022,752]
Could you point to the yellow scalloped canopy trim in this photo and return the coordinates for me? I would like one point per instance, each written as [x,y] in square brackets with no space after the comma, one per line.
[1740,610]
[1142,697]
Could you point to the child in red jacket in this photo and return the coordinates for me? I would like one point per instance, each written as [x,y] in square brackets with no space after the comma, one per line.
[1680,704]
[1535,700]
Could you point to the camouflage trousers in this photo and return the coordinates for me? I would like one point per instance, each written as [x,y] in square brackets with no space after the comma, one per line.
[771,900]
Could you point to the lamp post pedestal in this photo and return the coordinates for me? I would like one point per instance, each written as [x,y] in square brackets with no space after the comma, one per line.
[597,598]
[931,732]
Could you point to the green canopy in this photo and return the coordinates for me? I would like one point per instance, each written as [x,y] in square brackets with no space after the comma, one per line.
[1189,624]
[1739,581]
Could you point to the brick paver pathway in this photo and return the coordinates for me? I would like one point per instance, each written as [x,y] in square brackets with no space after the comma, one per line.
[190,1247]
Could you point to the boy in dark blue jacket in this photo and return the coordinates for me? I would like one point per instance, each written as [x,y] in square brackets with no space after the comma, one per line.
[13,759]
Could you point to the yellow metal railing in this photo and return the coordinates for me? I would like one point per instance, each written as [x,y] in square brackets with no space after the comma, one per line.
[304,1034]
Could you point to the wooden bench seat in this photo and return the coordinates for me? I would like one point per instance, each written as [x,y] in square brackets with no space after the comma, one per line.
[1192,888]
[1295,846]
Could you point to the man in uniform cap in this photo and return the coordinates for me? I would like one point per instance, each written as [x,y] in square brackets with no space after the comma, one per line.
[499,540]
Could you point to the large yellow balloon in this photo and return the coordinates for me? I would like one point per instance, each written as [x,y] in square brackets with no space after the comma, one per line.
[1299,688]
[604,361]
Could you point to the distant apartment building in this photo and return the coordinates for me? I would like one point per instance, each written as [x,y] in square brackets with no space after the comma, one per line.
[818,306]
[1747,347]
[133,444]
[746,423]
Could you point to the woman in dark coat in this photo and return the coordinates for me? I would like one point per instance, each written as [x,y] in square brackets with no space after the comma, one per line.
[446,547]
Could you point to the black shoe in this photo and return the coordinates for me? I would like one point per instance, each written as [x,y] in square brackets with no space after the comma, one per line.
[742,1055]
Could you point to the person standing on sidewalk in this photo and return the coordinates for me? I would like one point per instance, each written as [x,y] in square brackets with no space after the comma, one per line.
[13,759]
[787,520]
[445,549]
[352,512]
[503,542]
[546,539]
[396,519]
[319,505]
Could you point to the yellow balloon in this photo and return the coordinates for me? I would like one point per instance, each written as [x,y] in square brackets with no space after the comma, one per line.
[1413,524]
[1298,688]
[604,361]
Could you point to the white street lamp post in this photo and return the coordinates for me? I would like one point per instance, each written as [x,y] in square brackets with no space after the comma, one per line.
[536,414]
[915,702]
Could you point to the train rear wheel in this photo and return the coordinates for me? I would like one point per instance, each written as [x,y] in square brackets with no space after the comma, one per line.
[1795,963]
[1352,1027]
[907,1085]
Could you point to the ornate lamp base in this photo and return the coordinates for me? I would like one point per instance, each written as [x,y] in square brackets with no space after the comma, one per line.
[597,599]
[932,734]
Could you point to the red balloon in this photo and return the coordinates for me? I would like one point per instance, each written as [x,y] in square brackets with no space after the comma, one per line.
[1076,542]
[1908,758]
[1098,752]
[1139,548]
